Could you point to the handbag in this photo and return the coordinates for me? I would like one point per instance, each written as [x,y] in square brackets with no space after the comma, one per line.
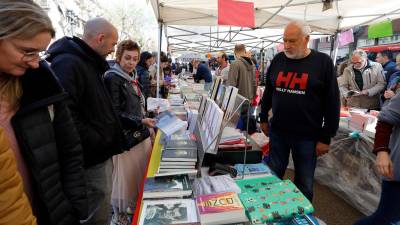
[133,137]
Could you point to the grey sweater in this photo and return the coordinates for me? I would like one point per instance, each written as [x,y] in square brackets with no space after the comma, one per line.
[391,115]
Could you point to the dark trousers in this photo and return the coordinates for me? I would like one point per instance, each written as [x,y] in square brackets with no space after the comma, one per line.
[304,158]
[388,211]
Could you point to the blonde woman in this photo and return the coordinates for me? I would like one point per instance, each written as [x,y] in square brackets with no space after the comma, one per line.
[35,119]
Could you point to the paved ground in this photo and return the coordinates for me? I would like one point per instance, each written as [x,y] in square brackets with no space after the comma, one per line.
[331,208]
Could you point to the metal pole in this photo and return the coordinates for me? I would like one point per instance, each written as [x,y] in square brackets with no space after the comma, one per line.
[158,58]
[335,52]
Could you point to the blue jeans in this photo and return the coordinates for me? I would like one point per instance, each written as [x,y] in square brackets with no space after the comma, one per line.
[304,158]
[99,184]
[388,211]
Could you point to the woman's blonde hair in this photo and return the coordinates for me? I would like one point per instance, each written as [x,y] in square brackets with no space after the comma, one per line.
[21,19]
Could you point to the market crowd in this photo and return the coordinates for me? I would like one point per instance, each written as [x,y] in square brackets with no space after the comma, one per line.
[75,136]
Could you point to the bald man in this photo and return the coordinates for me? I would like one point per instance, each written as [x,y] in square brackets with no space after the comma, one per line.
[80,64]
[302,91]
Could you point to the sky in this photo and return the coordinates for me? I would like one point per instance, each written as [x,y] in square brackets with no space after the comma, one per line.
[142,16]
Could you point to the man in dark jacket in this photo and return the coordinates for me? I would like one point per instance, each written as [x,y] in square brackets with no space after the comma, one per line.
[202,73]
[80,65]
[302,90]
[386,59]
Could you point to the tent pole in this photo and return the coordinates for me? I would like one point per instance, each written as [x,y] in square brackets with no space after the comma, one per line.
[160,25]
[336,44]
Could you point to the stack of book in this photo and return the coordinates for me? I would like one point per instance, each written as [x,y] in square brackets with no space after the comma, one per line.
[178,157]
[220,208]
[233,139]
[167,186]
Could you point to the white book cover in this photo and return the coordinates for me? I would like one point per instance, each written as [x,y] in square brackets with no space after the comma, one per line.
[216,124]
[173,211]
[183,171]
[231,103]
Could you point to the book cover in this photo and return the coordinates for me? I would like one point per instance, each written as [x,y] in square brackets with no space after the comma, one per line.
[169,123]
[181,171]
[257,184]
[167,183]
[181,144]
[217,203]
[168,163]
[279,201]
[174,211]
[252,169]
[179,155]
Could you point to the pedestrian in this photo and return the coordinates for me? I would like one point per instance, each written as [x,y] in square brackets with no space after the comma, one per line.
[142,68]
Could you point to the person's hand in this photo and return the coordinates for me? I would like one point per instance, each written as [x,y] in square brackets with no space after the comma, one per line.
[148,122]
[389,94]
[384,164]
[364,92]
[265,128]
[321,149]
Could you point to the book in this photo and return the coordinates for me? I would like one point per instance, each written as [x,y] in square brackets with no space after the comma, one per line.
[181,144]
[177,163]
[220,208]
[249,169]
[169,123]
[167,186]
[159,104]
[257,184]
[177,166]
[192,118]
[352,93]
[179,155]
[171,211]
[185,136]
[229,101]
[181,171]
[214,184]
[275,202]
[215,88]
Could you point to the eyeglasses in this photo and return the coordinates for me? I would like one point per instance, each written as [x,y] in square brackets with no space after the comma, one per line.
[31,55]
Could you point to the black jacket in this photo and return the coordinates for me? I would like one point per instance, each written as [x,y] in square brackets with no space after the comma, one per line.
[80,70]
[144,80]
[126,101]
[51,148]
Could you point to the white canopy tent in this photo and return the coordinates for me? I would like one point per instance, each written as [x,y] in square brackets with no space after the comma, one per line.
[192,24]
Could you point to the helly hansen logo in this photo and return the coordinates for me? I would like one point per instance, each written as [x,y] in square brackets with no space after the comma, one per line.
[294,83]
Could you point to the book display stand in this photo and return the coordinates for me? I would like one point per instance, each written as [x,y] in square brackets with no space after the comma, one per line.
[211,147]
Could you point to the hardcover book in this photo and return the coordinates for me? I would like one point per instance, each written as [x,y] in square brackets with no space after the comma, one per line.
[220,208]
[174,211]
[276,202]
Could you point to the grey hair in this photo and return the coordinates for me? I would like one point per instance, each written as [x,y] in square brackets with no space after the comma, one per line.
[360,53]
[305,29]
[23,19]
